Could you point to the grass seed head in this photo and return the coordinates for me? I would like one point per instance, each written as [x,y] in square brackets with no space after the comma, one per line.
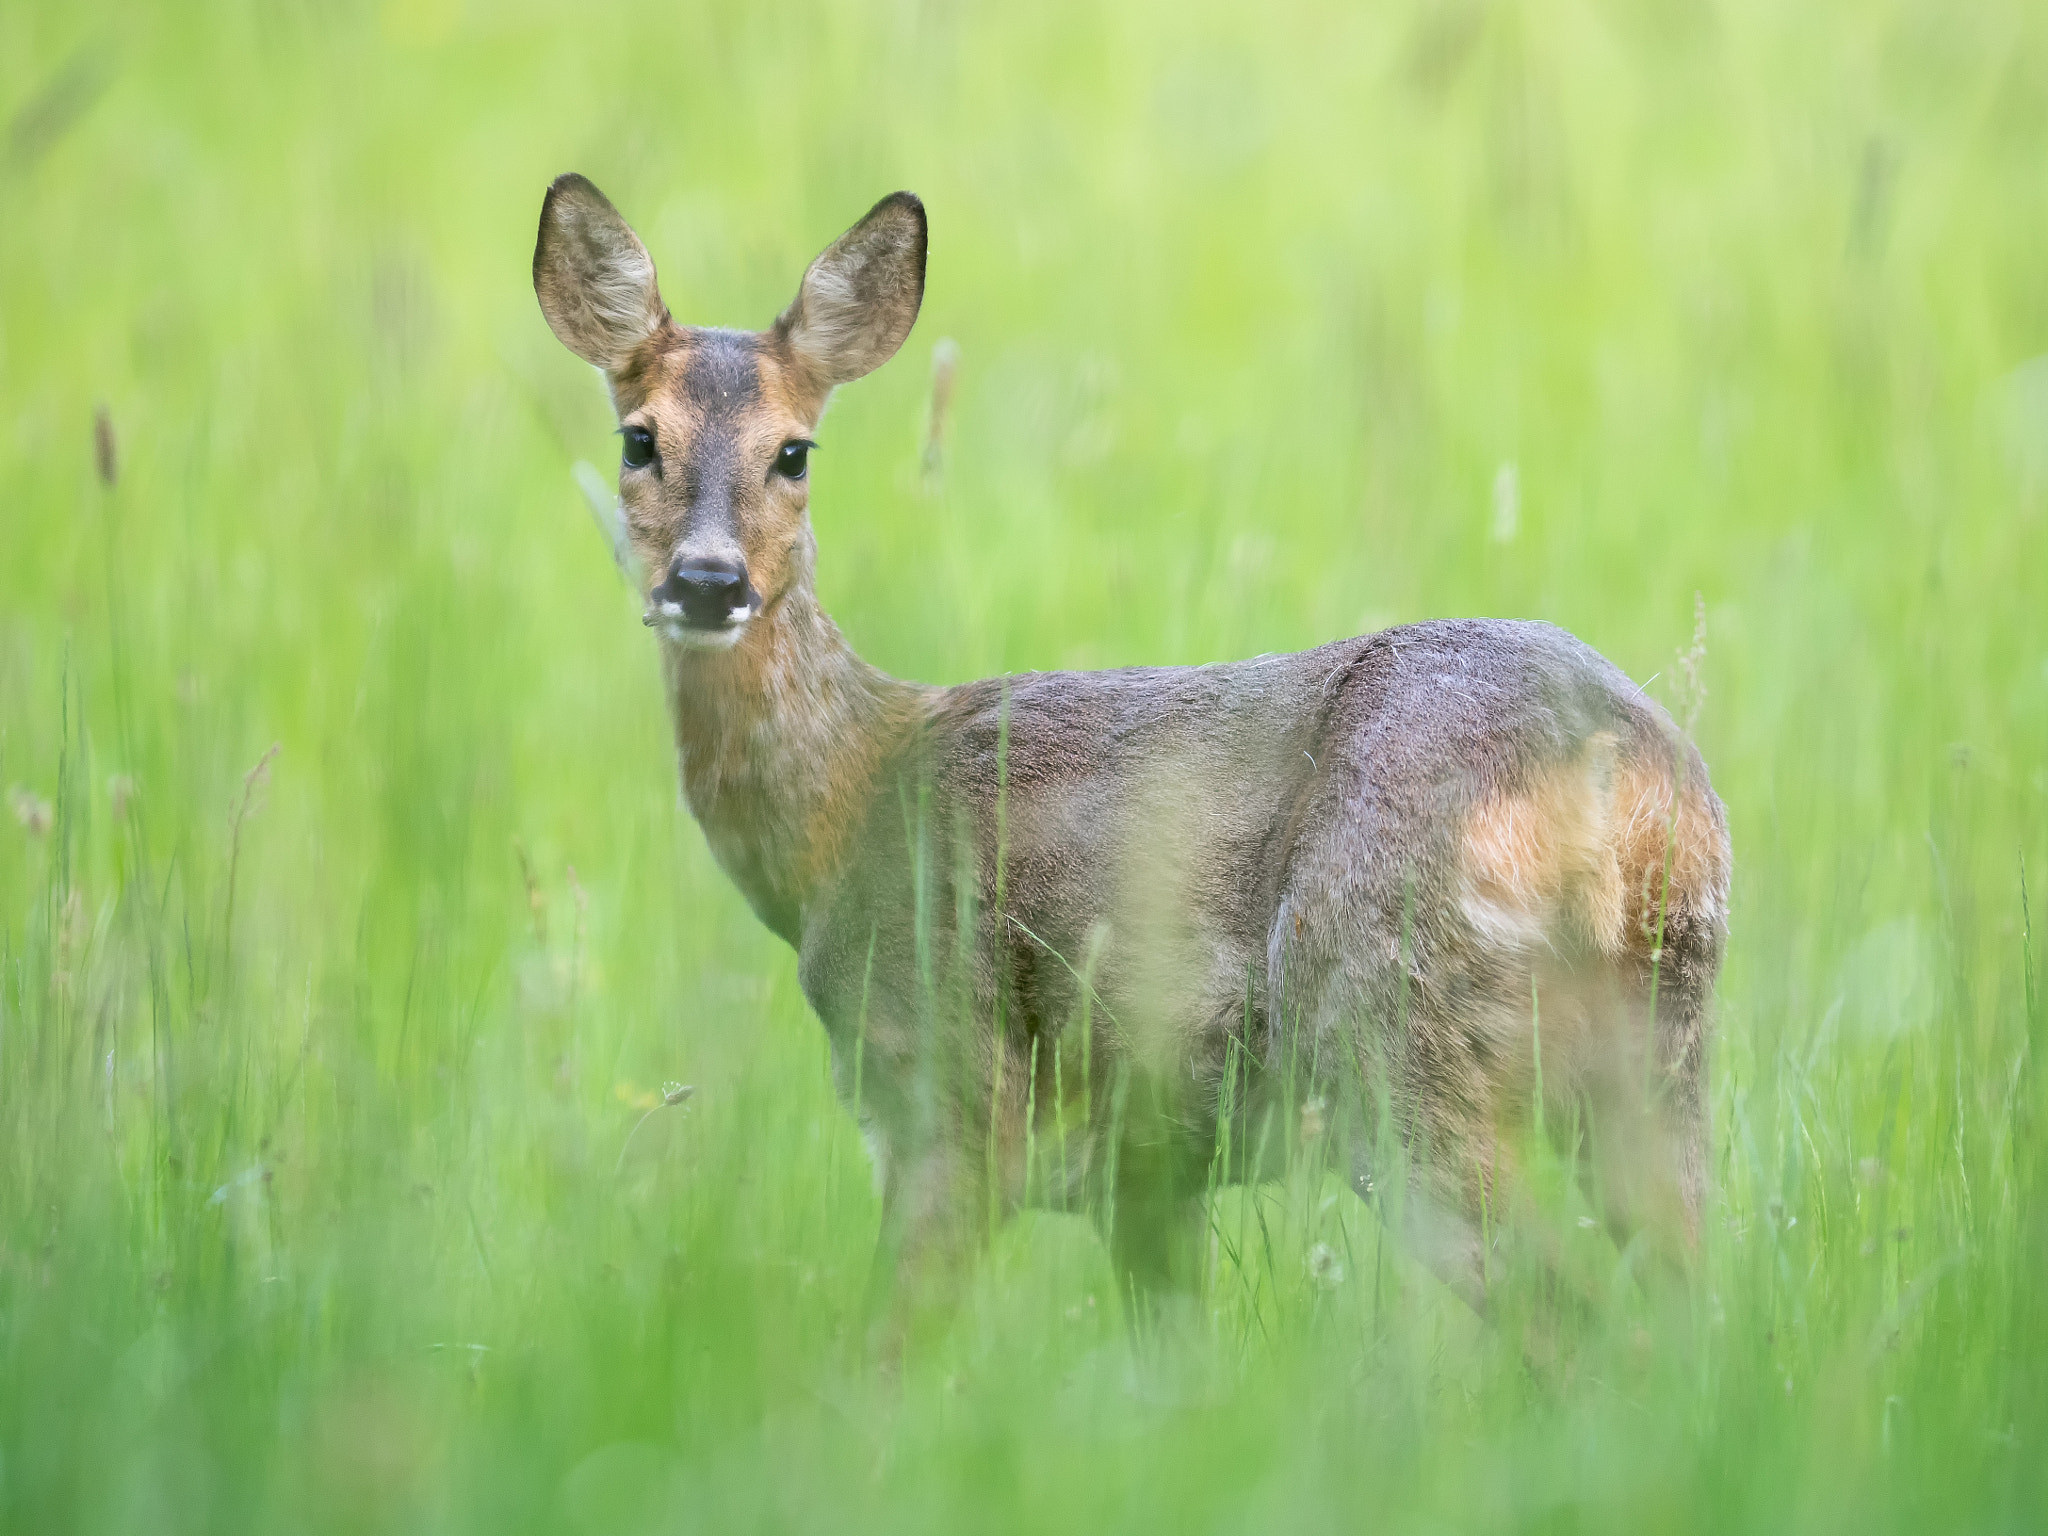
[1325,1268]
[31,810]
[1692,662]
[1507,502]
[945,369]
[105,459]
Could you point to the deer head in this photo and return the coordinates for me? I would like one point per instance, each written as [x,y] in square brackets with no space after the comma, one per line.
[717,426]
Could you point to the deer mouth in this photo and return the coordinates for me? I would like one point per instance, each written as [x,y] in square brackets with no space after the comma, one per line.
[690,626]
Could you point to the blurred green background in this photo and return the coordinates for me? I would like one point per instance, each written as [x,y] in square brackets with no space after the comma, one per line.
[331,1197]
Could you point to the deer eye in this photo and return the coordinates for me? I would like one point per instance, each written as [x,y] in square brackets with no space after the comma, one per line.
[638,449]
[793,459]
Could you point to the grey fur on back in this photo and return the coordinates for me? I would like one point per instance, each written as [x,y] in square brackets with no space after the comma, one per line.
[1238,850]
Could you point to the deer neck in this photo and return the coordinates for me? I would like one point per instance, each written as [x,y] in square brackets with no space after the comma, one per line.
[780,741]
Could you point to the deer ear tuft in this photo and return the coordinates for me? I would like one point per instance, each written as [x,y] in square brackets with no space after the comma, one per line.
[594,278]
[860,298]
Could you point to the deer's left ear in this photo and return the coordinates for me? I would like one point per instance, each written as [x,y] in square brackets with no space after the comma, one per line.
[860,298]
[594,278]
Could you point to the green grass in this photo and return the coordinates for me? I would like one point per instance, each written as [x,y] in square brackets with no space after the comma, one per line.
[313,1207]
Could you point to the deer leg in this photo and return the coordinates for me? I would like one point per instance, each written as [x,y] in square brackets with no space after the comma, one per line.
[1644,1166]
[1155,1238]
[930,1236]
[1453,1195]
[1151,1216]
[1435,1226]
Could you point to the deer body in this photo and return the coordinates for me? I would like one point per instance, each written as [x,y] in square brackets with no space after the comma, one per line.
[1112,907]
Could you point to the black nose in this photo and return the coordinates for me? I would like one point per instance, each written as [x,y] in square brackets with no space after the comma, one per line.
[706,590]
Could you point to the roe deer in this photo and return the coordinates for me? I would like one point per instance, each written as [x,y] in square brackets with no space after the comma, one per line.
[1113,909]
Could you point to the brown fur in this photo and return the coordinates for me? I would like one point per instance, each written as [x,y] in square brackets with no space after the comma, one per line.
[1604,862]
[1543,855]
[1665,831]
[779,743]
[1586,845]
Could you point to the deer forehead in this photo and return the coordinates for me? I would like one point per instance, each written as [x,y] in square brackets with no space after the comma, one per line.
[732,384]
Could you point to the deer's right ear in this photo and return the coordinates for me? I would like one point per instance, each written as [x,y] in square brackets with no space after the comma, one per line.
[594,278]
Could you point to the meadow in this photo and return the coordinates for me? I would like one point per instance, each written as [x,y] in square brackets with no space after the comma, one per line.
[352,932]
